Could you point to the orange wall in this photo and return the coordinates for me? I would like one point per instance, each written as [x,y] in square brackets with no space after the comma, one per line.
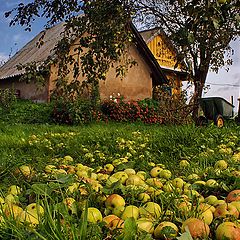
[27,90]
[137,84]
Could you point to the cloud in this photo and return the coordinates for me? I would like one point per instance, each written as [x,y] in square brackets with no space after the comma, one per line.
[3,57]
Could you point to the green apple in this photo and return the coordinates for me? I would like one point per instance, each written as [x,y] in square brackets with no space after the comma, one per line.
[155,171]
[71,204]
[168,187]
[102,177]
[221,1]
[12,210]
[14,190]
[114,200]
[35,209]
[150,210]
[29,219]
[130,171]
[108,168]
[94,215]
[11,199]
[212,183]
[130,211]
[49,168]
[219,202]
[67,159]
[79,166]
[154,182]
[118,210]
[165,173]
[193,177]
[184,163]
[82,173]
[225,210]
[236,204]
[178,182]
[227,230]
[122,176]
[144,197]
[134,180]
[166,230]
[59,171]
[221,164]
[145,225]
[142,175]
[73,187]
[211,199]
[206,215]
[25,170]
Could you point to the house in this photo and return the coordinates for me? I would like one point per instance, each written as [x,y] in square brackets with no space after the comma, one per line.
[137,84]
[165,54]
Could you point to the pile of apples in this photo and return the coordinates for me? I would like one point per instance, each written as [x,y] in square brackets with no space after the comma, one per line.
[195,216]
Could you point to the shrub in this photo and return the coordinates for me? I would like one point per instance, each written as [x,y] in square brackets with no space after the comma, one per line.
[131,111]
[79,111]
[173,108]
[7,98]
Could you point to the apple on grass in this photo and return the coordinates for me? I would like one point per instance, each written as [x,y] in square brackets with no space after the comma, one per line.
[155,171]
[233,196]
[196,227]
[130,211]
[108,220]
[121,176]
[150,210]
[221,164]
[225,210]
[29,218]
[35,208]
[94,215]
[113,201]
[145,225]
[12,210]
[227,230]
[134,180]
[144,197]
[14,190]
[166,230]
[184,163]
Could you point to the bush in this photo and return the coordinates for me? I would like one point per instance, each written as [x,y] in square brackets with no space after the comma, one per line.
[131,111]
[173,108]
[7,98]
[26,111]
[75,112]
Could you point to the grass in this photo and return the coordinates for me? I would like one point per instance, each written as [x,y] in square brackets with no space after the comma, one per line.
[38,143]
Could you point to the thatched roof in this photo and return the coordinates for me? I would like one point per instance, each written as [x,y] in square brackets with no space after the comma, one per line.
[32,53]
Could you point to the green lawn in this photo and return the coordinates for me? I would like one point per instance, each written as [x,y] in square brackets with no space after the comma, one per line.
[84,176]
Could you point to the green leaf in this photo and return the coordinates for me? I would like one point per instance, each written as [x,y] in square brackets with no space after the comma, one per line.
[186,235]
[130,229]
[41,189]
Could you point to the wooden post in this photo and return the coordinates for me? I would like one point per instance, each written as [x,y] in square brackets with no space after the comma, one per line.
[238,117]
[232,104]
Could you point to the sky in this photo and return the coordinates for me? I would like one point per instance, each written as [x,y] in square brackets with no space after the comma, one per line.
[224,84]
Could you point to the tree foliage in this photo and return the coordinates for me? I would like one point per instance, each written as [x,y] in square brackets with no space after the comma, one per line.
[200,30]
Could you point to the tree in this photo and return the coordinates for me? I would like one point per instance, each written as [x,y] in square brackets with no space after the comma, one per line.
[201,31]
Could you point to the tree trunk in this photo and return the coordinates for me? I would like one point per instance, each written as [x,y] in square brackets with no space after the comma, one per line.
[199,81]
